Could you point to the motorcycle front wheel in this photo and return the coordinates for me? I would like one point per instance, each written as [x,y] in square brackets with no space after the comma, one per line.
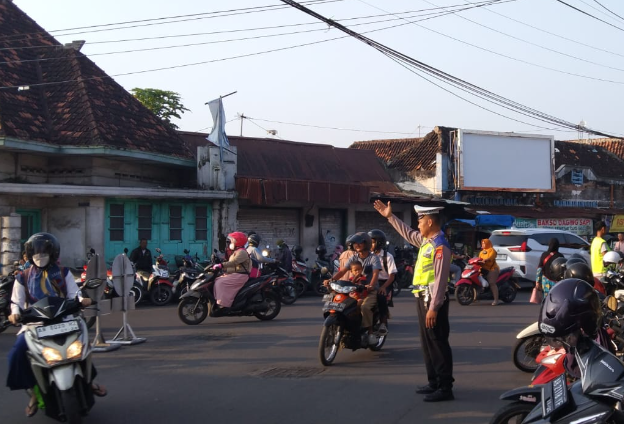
[289,293]
[161,295]
[71,406]
[300,286]
[514,413]
[465,294]
[508,294]
[526,350]
[329,344]
[192,311]
[275,306]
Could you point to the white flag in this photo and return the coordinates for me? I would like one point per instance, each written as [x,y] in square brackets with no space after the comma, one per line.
[217,135]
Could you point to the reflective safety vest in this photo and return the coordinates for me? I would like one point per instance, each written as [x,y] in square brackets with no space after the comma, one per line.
[596,257]
[424,274]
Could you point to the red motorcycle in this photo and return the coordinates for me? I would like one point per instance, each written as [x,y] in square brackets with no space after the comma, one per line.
[473,286]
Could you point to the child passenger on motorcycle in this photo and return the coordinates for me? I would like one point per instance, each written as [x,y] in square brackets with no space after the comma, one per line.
[45,278]
[358,277]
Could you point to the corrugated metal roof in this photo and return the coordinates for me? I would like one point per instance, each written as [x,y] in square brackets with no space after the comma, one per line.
[603,162]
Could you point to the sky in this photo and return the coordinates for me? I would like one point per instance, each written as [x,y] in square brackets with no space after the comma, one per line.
[346,84]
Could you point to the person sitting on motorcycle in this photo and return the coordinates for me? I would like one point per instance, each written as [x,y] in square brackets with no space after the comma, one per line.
[45,278]
[346,255]
[284,257]
[386,277]
[337,252]
[612,261]
[362,243]
[544,279]
[358,277]
[488,256]
[236,270]
[253,241]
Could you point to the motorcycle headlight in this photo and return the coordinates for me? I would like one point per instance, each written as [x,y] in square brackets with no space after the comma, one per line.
[51,355]
[74,350]
[341,289]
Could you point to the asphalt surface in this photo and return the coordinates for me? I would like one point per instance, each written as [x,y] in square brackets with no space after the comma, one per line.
[241,370]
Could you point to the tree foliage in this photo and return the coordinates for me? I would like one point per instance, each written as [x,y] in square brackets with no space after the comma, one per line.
[164,104]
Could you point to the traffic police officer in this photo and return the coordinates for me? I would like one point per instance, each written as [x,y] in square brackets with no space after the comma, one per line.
[431,276]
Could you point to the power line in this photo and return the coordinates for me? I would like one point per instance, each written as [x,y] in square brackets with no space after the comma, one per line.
[589,14]
[609,10]
[448,78]
[261,127]
[45,84]
[331,128]
[548,32]
[209,15]
[536,45]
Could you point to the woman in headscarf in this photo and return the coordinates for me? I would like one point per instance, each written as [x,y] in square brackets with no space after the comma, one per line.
[488,256]
[544,278]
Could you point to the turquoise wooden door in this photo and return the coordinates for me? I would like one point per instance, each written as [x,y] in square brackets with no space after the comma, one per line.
[31,223]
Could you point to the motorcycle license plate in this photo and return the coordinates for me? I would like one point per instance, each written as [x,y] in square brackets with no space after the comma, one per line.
[338,307]
[56,329]
[328,298]
[554,396]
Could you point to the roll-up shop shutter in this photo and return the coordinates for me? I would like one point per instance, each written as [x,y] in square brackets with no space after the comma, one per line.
[271,224]
[332,228]
[366,221]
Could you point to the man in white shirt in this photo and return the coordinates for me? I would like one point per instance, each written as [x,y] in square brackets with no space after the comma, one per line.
[386,277]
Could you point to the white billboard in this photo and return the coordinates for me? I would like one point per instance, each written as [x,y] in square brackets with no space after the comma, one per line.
[494,161]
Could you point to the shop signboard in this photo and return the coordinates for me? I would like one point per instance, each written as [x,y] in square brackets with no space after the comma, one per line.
[617,224]
[580,226]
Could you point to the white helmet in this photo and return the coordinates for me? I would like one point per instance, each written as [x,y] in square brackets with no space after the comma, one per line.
[611,257]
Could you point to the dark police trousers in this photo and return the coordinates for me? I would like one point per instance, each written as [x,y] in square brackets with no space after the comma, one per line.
[435,345]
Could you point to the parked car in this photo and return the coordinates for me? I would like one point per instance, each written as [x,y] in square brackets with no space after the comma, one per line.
[522,248]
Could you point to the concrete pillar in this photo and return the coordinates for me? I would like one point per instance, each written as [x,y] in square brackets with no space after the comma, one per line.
[10,234]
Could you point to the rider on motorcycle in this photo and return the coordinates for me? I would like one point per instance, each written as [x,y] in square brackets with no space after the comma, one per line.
[386,277]
[345,256]
[362,243]
[45,278]
[236,270]
[254,252]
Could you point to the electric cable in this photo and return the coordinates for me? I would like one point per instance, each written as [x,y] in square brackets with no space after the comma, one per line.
[331,128]
[589,14]
[605,8]
[261,127]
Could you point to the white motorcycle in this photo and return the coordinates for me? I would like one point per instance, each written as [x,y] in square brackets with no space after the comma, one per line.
[60,356]
[529,344]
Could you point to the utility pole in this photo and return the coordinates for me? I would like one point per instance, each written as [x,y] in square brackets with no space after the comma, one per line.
[242,118]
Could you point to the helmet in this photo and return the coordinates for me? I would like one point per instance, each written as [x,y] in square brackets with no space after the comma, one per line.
[572,261]
[611,258]
[349,242]
[379,237]
[557,268]
[339,249]
[280,243]
[362,238]
[239,239]
[254,240]
[42,249]
[579,270]
[321,250]
[571,305]
[578,256]
[297,250]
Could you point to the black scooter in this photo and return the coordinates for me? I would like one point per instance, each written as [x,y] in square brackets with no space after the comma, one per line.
[6,289]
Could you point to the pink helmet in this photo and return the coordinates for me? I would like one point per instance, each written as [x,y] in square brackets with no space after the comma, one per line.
[339,249]
[239,239]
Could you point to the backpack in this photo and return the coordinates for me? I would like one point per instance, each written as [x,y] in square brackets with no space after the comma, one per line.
[255,268]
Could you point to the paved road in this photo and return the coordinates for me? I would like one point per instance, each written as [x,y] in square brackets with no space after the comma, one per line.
[241,370]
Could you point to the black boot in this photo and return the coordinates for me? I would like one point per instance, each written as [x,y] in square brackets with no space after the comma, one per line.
[439,395]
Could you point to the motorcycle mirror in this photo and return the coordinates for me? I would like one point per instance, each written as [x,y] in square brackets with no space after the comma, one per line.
[92,250]
[611,303]
[125,250]
[158,250]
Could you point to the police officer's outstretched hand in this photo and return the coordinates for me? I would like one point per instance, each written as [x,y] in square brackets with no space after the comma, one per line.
[384,209]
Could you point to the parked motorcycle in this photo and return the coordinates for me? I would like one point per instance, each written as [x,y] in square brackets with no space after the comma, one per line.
[256,298]
[282,282]
[300,276]
[60,356]
[322,270]
[343,320]
[6,289]
[157,286]
[472,286]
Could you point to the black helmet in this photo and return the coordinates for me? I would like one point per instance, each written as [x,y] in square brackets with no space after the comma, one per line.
[42,244]
[349,243]
[578,256]
[321,250]
[572,261]
[254,240]
[557,268]
[297,250]
[362,238]
[581,271]
[379,237]
[571,305]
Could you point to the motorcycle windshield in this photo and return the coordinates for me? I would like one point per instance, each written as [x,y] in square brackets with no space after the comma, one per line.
[50,308]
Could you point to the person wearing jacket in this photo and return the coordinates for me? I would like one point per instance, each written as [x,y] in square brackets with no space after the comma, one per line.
[545,278]
[283,256]
[488,256]
[253,241]
[45,278]
[236,270]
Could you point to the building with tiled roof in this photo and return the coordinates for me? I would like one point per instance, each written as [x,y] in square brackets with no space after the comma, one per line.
[82,158]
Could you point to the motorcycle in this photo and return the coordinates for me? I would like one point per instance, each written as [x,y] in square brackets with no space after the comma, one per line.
[595,398]
[282,282]
[59,352]
[472,286]
[300,275]
[187,272]
[256,298]
[157,286]
[343,320]
[322,270]
[404,260]
[6,289]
